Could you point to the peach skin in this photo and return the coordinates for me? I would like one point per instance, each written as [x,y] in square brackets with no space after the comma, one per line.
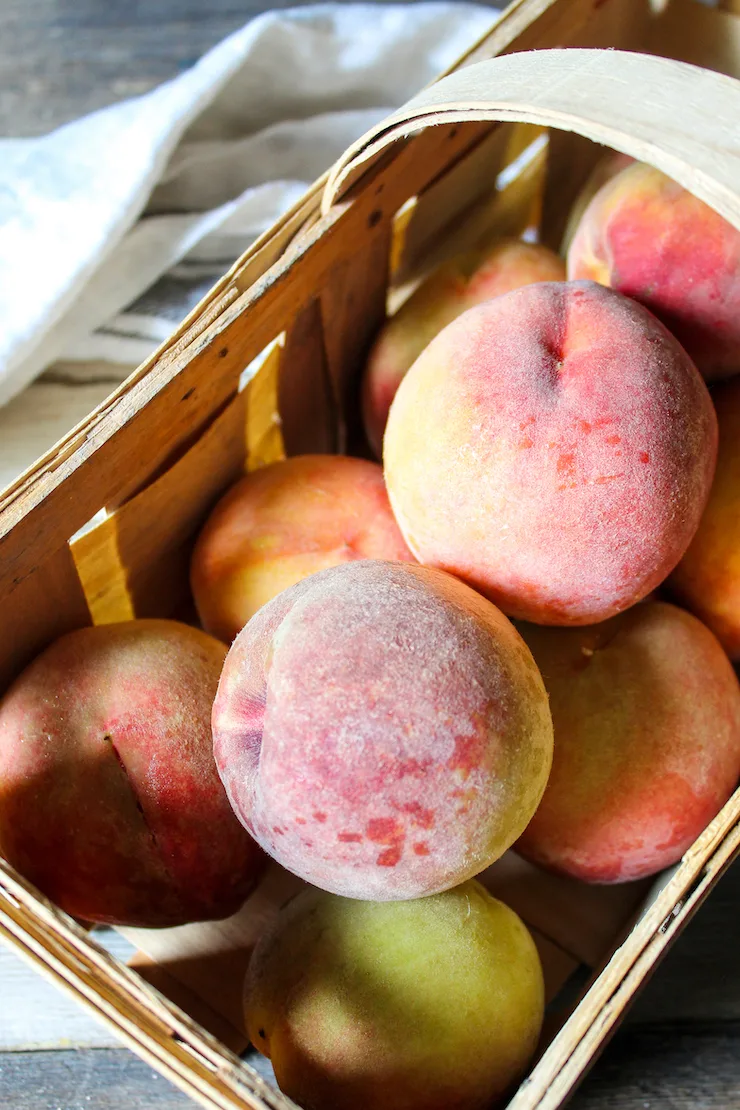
[646,710]
[449,291]
[707,580]
[282,523]
[434,1004]
[382,730]
[110,801]
[649,238]
[554,448]
[607,167]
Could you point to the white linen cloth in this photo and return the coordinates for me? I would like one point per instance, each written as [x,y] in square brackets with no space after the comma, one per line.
[113,226]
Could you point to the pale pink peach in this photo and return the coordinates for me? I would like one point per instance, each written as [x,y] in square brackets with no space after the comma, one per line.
[554,448]
[382,730]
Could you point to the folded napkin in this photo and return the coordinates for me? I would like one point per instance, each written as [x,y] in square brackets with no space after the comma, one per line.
[113,226]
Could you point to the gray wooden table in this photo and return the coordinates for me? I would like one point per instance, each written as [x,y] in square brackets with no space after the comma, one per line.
[681,1045]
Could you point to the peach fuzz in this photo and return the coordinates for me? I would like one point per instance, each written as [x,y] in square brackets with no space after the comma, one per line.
[554,448]
[707,580]
[110,801]
[607,167]
[382,730]
[457,285]
[282,523]
[433,1004]
[646,236]
[646,710]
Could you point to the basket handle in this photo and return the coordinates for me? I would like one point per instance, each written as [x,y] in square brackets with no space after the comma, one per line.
[682,119]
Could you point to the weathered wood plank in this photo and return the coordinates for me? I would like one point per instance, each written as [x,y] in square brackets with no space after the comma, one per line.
[107,1079]
[62,58]
[664,1067]
[34,1014]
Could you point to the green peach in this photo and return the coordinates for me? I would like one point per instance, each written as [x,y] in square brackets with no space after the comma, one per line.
[432,1004]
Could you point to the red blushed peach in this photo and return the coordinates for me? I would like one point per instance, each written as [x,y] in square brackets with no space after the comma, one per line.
[607,167]
[707,579]
[382,730]
[282,523]
[110,801]
[652,240]
[554,448]
[646,710]
[457,285]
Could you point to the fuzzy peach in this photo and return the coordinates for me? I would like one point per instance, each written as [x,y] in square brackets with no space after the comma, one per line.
[707,580]
[554,448]
[110,801]
[457,285]
[382,730]
[282,523]
[607,167]
[646,236]
[646,709]
[432,1004]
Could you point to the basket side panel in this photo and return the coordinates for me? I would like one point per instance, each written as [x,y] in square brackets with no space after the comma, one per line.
[438,209]
[575,1048]
[353,308]
[494,191]
[692,32]
[543,24]
[48,602]
[306,402]
[155,528]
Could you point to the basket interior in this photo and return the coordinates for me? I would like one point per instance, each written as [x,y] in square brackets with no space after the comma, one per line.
[102,529]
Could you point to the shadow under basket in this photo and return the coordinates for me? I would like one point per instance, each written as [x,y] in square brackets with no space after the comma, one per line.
[101,528]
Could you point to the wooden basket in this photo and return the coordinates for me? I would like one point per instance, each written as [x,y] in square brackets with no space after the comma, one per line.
[101,528]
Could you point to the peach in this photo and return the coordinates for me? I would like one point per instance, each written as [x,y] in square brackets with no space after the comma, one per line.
[647,237]
[554,448]
[457,285]
[382,730]
[607,167]
[423,1005]
[282,523]
[707,580]
[646,710]
[110,801]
